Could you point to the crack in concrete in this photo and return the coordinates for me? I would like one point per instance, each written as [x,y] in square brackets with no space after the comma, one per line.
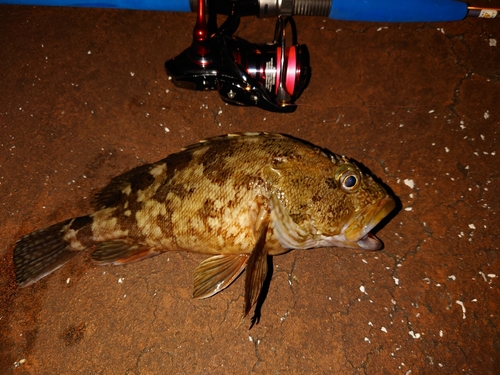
[291,277]
[256,342]
[227,310]
[136,370]
[215,115]
[364,362]
[155,305]
[348,361]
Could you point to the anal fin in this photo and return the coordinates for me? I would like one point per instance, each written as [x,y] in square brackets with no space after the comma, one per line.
[217,273]
[122,251]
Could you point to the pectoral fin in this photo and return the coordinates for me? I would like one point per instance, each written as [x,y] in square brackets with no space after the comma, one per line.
[121,252]
[217,273]
[256,267]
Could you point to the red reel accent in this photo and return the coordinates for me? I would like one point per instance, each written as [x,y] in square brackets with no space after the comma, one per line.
[291,70]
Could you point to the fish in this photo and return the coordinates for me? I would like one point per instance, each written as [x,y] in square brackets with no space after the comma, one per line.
[239,198]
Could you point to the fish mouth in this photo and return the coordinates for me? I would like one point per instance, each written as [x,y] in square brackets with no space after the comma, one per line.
[357,233]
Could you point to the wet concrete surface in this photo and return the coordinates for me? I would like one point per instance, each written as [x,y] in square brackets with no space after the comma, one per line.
[84,97]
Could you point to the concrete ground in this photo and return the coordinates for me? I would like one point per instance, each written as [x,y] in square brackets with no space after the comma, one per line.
[84,97]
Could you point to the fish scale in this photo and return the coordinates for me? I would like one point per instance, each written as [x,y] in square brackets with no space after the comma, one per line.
[240,198]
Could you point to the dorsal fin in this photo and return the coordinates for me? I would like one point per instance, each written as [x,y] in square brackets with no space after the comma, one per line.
[221,138]
[140,178]
[115,192]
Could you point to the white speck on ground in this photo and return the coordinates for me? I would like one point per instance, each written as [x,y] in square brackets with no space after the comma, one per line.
[463,307]
[486,115]
[493,42]
[19,363]
[414,335]
[410,183]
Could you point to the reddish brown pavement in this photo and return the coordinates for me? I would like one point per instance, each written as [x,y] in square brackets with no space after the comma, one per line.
[84,97]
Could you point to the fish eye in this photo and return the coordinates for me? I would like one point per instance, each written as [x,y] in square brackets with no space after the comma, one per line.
[349,180]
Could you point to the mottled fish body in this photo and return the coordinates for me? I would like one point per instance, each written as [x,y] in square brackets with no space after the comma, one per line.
[240,197]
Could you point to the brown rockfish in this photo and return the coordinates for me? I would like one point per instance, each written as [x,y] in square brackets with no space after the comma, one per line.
[239,197]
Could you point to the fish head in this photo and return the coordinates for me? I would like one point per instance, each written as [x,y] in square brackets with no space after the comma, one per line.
[361,203]
[329,204]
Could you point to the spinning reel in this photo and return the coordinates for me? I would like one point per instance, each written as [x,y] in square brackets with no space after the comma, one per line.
[270,76]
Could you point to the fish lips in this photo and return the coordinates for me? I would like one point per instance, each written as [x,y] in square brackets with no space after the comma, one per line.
[357,233]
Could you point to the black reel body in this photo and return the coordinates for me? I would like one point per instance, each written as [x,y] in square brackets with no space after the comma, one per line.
[270,76]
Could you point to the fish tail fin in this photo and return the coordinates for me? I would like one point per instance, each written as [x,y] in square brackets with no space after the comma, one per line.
[40,253]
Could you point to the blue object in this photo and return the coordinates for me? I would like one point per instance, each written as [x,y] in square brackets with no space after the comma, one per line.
[164,5]
[398,10]
[349,10]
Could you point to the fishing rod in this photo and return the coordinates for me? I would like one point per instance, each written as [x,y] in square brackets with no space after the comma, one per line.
[347,10]
[365,10]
